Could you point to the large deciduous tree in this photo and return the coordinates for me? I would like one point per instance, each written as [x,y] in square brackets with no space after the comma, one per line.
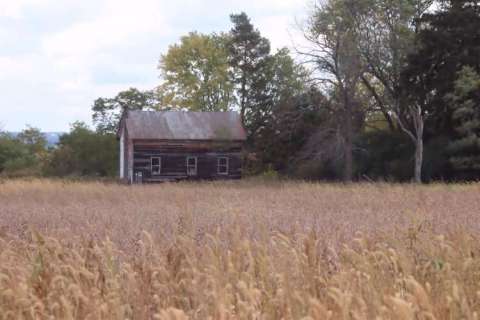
[108,111]
[335,56]
[447,41]
[385,34]
[195,74]
[375,36]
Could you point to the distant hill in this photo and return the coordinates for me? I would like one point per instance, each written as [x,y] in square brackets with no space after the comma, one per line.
[52,137]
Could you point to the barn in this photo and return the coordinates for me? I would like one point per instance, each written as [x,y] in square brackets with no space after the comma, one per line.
[158,146]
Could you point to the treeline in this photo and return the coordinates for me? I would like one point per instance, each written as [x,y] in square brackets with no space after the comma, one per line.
[384,89]
[79,153]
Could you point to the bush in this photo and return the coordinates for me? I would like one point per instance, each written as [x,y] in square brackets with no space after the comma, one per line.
[84,152]
[384,155]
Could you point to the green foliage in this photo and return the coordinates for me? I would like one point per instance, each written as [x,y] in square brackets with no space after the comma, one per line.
[83,152]
[287,78]
[270,174]
[440,77]
[447,41]
[283,81]
[376,59]
[293,121]
[385,36]
[248,54]
[23,155]
[387,155]
[195,74]
[436,160]
[34,139]
[465,148]
[384,155]
[108,111]
[14,156]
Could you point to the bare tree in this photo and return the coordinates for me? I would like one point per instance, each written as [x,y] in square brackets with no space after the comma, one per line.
[416,116]
[386,34]
[335,57]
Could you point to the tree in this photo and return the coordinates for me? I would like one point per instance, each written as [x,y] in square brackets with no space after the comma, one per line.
[24,154]
[287,79]
[34,139]
[293,120]
[281,81]
[386,32]
[15,158]
[248,56]
[337,60]
[447,41]
[195,74]
[385,36]
[83,152]
[413,113]
[108,111]
[465,147]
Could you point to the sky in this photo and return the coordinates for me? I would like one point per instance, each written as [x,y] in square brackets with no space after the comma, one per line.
[58,56]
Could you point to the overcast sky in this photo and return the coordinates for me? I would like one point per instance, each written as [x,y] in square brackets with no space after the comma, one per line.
[57,56]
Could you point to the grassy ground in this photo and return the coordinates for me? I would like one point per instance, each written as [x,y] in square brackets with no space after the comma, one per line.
[238,250]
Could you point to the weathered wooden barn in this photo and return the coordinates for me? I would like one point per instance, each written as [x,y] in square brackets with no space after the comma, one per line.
[160,146]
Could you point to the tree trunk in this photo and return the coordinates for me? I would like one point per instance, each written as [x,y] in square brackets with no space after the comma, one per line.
[242,101]
[348,170]
[348,147]
[418,160]
[417,138]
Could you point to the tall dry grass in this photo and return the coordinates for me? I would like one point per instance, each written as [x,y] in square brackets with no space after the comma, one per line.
[238,250]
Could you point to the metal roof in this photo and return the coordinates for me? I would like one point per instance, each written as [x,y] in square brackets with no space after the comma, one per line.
[180,125]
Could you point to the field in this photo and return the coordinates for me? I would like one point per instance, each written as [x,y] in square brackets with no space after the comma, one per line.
[238,250]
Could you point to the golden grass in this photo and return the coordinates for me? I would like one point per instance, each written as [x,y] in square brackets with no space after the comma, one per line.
[238,250]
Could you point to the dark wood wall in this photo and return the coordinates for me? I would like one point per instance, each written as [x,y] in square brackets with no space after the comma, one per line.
[174,155]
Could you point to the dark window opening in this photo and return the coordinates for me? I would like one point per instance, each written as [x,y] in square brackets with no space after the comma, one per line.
[156,165]
[222,165]
[192,166]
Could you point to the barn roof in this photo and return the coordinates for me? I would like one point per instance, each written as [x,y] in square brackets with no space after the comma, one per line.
[179,125]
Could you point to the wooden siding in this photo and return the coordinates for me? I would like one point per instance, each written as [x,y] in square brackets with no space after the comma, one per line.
[174,159]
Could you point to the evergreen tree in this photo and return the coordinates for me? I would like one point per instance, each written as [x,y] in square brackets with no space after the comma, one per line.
[447,40]
[465,148]
[281,81]
[248,58]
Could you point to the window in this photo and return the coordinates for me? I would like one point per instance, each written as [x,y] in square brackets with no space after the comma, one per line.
[222,165]
[192,166]
[156,165]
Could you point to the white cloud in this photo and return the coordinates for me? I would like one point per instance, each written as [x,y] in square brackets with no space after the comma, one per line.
[59,55]
[119,23]
[14,8]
